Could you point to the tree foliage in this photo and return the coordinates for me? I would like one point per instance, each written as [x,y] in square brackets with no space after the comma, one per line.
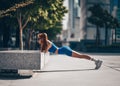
[96,19]
[102,18]
[12,6]
[38,14]
[96,15]
[50,12]
[53,31]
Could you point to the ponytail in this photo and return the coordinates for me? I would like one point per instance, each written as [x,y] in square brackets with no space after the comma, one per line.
[44,43]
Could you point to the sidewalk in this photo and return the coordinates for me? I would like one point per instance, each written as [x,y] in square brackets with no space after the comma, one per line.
[62,70]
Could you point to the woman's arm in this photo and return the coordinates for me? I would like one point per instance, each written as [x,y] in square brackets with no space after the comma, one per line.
[49,44]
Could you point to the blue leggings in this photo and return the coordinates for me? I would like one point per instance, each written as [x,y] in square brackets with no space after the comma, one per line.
[65,50]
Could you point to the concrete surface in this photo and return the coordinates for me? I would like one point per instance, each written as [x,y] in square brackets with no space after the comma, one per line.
[62,70]
[22,59]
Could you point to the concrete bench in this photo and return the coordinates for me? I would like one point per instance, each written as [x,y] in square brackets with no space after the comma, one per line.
[23,60]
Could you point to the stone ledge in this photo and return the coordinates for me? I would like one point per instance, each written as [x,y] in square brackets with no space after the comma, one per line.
[23,59]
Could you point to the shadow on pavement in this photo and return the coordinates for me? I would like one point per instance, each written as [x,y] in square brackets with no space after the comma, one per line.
[63,70]
[12,77]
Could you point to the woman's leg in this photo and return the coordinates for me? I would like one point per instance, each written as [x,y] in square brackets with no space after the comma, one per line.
[98,63]
[78,55]
[70,52]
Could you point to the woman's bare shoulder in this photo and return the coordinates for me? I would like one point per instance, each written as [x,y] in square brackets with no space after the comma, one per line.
[49,41]
[49,44]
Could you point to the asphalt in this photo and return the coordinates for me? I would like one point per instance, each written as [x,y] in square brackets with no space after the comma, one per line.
[62,70]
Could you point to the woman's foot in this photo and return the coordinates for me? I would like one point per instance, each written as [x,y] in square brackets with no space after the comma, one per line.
[98,64]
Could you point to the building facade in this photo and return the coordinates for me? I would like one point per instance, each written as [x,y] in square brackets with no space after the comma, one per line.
[78,26]
[74,20]
[115,9]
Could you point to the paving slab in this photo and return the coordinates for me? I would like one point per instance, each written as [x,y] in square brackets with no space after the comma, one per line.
[62,70]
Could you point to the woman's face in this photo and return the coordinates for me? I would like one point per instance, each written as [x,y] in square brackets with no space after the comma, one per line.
[39,40]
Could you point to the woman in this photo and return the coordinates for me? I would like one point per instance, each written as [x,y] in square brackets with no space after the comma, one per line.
[47,45]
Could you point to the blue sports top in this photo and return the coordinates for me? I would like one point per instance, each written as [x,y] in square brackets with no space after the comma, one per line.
[62,50]
[53,48]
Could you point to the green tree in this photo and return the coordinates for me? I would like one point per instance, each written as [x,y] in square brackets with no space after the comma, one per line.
[5,29]
[106,20]
[102,18]
[114,24]
[8,7]
[53,31]
[109,23]
[95,19]
[50,13]
[42,13]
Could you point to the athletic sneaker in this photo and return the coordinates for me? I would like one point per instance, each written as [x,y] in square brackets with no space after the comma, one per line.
[98,64]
